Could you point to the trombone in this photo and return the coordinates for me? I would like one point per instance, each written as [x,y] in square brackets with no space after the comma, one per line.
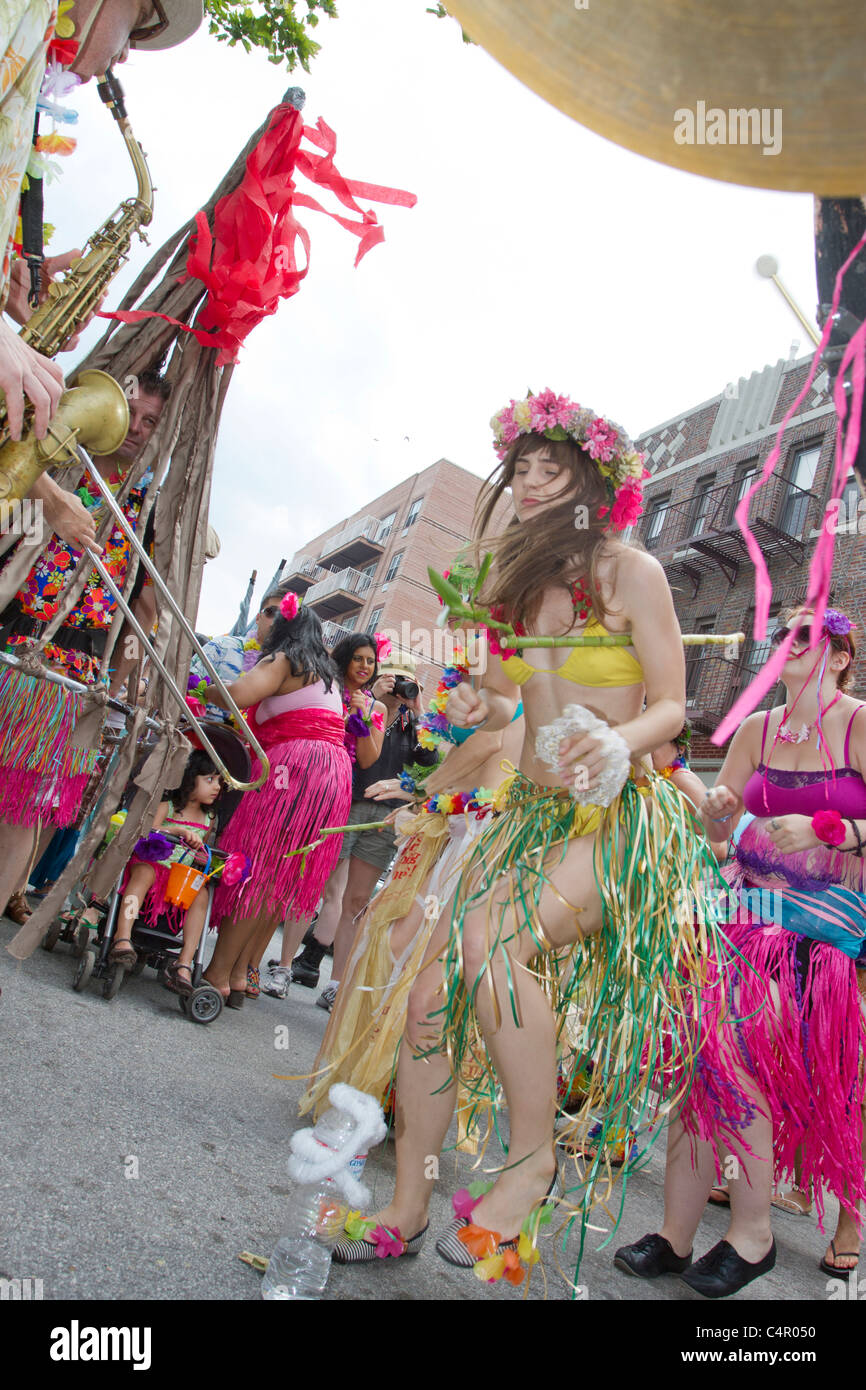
[243,726]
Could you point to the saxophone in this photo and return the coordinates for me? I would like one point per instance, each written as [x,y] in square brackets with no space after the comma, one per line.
[94,412]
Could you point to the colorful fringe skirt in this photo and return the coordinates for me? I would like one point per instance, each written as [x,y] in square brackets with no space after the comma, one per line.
[366,1027]
[628,1000]
[309,789]
[801,1032]
[43,774]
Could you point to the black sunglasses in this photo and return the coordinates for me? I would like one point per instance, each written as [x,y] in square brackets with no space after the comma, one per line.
[150,31]
[802,639]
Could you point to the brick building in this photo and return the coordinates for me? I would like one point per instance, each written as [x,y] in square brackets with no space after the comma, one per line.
[369,571]
[701,464]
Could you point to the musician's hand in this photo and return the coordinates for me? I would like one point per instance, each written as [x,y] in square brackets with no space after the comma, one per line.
[66,514]
[18,305]
[25,373]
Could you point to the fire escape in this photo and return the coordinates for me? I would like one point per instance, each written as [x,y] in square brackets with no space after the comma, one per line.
[698,535]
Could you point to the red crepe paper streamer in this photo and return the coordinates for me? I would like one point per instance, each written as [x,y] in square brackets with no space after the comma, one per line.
[821,567]
[249,262]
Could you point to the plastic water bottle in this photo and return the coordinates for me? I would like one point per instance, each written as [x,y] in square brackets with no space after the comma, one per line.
[301,1261]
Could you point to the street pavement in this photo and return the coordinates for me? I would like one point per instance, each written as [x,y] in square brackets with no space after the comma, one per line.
[140,1153]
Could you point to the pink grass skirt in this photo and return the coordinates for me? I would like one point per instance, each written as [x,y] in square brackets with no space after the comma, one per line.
[42,776]
[308,790]
[155,904]
[794,1022]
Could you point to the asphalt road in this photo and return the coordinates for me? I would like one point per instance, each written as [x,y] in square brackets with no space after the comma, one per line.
[140,1153]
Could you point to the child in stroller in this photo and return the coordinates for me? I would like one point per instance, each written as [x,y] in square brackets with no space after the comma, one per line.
[188,814]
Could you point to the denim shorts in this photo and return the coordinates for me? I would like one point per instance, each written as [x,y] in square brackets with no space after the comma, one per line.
[376,847]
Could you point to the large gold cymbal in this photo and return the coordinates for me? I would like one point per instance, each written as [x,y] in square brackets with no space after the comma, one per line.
[625,67]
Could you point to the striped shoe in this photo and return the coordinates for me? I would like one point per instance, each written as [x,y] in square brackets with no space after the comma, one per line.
[354,1252]
[452,1249]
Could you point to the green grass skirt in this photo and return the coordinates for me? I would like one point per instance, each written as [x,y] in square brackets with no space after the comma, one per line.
[627,1000]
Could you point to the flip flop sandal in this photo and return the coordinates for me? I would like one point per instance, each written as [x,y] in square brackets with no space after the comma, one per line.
[173,981]
[719,1197]
[122,955]
[840,1271]
[787,1204]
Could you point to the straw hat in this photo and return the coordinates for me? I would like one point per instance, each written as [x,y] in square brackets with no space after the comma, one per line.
[184,17]
[399,664]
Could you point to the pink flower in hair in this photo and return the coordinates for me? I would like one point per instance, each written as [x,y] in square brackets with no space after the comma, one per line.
[601,441]
[383,644]
[549,410]
[627,506]
[289,607]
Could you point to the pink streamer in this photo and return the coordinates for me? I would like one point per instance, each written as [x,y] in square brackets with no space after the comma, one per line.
[821,567]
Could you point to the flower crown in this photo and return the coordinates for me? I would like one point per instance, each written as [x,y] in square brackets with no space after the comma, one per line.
[614,454]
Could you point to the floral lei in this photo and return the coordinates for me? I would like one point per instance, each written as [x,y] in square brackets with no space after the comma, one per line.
[434,728]
[557,417]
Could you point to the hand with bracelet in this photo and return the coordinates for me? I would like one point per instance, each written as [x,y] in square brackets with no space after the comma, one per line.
[792,834]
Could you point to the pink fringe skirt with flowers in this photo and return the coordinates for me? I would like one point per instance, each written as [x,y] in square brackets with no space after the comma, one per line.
[308,790]
[793,1020]
[42,775]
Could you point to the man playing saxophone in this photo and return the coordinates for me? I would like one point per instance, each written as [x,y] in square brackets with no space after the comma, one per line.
[104,31]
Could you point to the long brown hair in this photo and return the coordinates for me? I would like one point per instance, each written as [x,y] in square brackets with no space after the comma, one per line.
[564,542]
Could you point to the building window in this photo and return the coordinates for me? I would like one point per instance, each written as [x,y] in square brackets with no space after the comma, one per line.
[413,514]
[849,505]
[795,506]
[385,528]
[757,654]
[702,517]
[350,623]
[655,519]
[374,620]
[393,566]
[369,570]
[746,475]
[695,656]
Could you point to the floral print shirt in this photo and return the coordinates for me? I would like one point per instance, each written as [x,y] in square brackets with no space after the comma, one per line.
[26,26]
[38,597]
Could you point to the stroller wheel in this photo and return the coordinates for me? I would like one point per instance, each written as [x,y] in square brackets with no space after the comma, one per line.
[52,936]
[83,970]
[113,981]
[82,940]
[203,1005]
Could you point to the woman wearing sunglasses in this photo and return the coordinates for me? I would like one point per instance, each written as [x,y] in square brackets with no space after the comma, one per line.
[798,918]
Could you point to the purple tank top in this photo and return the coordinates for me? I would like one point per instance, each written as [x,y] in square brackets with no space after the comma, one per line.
[784,792]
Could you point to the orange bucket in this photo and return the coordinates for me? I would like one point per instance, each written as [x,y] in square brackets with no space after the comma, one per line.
[184,881]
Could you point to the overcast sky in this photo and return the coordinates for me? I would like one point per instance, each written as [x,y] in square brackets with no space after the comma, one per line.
[538,255]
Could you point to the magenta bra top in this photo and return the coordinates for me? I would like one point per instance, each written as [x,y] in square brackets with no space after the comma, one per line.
[772,791]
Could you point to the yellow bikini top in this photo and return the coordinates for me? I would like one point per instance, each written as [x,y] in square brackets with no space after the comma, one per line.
[592,666]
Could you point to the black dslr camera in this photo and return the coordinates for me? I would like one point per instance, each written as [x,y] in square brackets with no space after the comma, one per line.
[406,689]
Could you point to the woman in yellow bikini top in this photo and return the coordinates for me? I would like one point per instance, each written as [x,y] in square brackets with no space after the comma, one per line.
[590,666]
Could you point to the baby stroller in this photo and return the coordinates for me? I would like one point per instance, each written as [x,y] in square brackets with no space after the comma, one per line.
[156,946]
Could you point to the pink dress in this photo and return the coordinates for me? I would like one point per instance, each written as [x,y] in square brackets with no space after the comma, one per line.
[309,788]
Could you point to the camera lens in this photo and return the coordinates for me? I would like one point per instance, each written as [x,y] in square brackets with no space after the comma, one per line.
[406,689]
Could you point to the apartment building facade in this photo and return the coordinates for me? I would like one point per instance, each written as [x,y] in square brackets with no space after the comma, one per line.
[701,464]
[369,571]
